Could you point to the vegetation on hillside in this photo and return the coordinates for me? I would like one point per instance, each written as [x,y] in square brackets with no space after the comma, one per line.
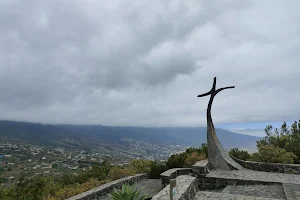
[278,146]
[53,188]
[188,158]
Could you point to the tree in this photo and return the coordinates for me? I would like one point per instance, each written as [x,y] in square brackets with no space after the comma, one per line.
[285,138]
[294,143]
[279,138]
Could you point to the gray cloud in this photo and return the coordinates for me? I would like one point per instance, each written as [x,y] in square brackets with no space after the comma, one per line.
[144,62]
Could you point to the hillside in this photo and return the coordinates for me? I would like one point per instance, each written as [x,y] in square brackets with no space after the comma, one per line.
[83,136]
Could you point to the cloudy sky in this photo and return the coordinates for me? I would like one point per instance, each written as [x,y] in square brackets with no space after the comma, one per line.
[143,63]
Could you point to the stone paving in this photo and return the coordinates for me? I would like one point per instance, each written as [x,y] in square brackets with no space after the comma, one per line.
[255,176]
[150,186]
[269,191]
[292,191]
[203,195]
[269,185]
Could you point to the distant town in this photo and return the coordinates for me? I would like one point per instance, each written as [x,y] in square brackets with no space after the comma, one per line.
[31,159]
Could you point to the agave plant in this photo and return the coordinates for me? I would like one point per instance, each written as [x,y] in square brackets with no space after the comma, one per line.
[127,193]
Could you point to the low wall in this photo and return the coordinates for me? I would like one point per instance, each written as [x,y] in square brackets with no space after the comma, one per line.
[108,187]
[173,173]
[201,168]
[269,167]
[186,188]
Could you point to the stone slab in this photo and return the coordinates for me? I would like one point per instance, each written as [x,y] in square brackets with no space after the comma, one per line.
[292,191]
[250,175]
[202,195]
[266,191]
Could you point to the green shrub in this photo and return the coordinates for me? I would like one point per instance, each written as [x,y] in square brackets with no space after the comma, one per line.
[141,166]
[192,158]
[272,154]
[120,172]
[240,154]
[156,169]
[127,193]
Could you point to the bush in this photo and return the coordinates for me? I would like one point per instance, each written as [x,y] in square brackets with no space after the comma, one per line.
[141,166]
[176,160]
[202,150]
[127,193]
[272,154]
[240,154]
[74,189]
[191,155]
[118,172]
[157,169]
[192,158]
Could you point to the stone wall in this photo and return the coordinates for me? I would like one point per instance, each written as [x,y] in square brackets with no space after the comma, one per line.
[269,167]
[173,173]
[108,187]
[200,168]
[186,188]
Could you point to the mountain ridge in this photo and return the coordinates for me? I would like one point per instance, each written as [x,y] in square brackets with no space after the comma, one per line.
[81,135]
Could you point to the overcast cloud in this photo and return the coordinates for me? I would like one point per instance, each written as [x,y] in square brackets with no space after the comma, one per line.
[143,63]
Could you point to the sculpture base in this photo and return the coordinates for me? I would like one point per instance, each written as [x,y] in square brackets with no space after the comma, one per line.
[218,158]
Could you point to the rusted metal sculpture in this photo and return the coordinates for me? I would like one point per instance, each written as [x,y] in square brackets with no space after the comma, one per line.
[217,156]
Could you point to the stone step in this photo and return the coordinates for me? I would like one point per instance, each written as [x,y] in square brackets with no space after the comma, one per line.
[185,189]
[264,191]
[292,191]
[203,195]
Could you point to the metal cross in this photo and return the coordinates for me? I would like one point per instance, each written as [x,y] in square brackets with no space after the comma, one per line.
[213,92]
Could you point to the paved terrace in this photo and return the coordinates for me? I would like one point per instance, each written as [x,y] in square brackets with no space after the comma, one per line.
[236,184]
[255,176]
[200,183]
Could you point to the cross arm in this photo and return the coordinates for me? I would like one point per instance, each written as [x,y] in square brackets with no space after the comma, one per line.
[224,88]
[205,94]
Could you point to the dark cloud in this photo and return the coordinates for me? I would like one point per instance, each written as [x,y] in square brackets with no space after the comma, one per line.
[144,62]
